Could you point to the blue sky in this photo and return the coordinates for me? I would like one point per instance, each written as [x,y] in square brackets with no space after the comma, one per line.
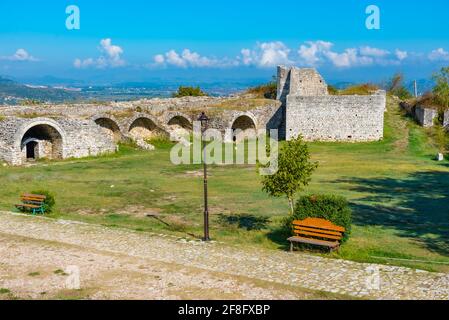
[137,40]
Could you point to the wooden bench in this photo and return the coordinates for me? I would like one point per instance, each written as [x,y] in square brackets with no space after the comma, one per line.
[32,202]
[317,232]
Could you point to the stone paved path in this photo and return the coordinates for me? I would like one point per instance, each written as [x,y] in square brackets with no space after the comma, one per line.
[301,270]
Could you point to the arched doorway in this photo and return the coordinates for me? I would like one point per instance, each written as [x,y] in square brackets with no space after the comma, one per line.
[32,150]
[243,127]
[42,141]
[110,127]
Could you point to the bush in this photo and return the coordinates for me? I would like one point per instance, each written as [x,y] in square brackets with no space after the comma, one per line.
[49,202]
[189,92]
[362,89]
[333,208]
[333,91]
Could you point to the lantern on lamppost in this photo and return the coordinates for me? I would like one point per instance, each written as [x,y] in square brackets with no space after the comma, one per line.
[204,124]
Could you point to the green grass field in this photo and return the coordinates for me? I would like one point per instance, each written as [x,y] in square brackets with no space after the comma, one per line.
[399,195]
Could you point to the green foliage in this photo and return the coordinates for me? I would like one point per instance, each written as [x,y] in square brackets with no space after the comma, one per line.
[267,91]
[332,90]
[330,207]
[189,92]
[4,291]
[362,89]
[441,89]
[2,118]
[397,88]
[31,102]
[294,171]
[49,202]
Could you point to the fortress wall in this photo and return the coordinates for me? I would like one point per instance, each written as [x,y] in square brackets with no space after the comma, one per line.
[425,116]
[336,118]
[75,138]
[85,138]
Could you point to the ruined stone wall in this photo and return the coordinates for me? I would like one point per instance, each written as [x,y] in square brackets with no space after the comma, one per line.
[336,118]
[446,119]
[302,82]
[75,138]
[425,116]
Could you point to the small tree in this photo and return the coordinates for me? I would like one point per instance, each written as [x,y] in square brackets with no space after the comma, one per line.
[441,90]
[294,171]
[397,88]
[189,92]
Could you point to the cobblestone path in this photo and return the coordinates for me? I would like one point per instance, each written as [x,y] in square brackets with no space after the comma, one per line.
[275,267]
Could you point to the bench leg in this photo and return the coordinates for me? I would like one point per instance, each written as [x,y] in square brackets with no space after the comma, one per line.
[291,246]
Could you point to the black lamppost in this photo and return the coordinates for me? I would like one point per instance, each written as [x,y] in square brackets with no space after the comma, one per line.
[204,123]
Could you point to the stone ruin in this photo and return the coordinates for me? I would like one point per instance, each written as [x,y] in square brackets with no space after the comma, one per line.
[303,107]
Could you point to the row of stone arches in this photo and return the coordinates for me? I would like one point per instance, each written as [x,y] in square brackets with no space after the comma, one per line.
[45,139]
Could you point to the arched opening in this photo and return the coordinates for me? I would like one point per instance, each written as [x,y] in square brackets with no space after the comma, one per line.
[243,128]
[42,141]
[110,127]
[144,129]
[180,126]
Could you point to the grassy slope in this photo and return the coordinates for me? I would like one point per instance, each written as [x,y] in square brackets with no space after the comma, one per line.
[399,195]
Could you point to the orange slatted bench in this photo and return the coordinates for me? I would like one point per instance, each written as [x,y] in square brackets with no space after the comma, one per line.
[319,232]
[32,202]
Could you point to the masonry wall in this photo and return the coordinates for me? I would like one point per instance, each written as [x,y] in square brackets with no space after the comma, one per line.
[446,119]
[336,118]
[80,138]
[84,138]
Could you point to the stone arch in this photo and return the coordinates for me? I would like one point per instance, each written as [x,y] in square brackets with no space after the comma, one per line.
[243,125]
[40,138]
[180,120]
[110,126]
[144,126]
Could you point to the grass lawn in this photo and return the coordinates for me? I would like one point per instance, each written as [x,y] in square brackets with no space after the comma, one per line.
[399,195]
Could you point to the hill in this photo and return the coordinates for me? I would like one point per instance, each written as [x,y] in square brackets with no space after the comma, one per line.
[12,92]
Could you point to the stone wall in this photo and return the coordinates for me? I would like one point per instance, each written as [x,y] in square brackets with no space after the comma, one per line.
[446,119]
[70,138]
[336,118]
[302,82]
[425,116]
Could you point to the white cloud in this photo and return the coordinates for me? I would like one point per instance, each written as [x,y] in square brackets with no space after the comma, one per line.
[309,53]
[373,52]
[20,55]
[401,55]
[188,58]
[439,55]
[266,54]
[314,53]
[111,57]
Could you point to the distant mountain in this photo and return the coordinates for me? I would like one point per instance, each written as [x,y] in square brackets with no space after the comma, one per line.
[12,92]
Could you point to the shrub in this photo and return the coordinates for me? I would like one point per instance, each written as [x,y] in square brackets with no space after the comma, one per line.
[363,89]
[333,91]
[49,202]
[189,92]
[267,91]
[395,87]
[330,207]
